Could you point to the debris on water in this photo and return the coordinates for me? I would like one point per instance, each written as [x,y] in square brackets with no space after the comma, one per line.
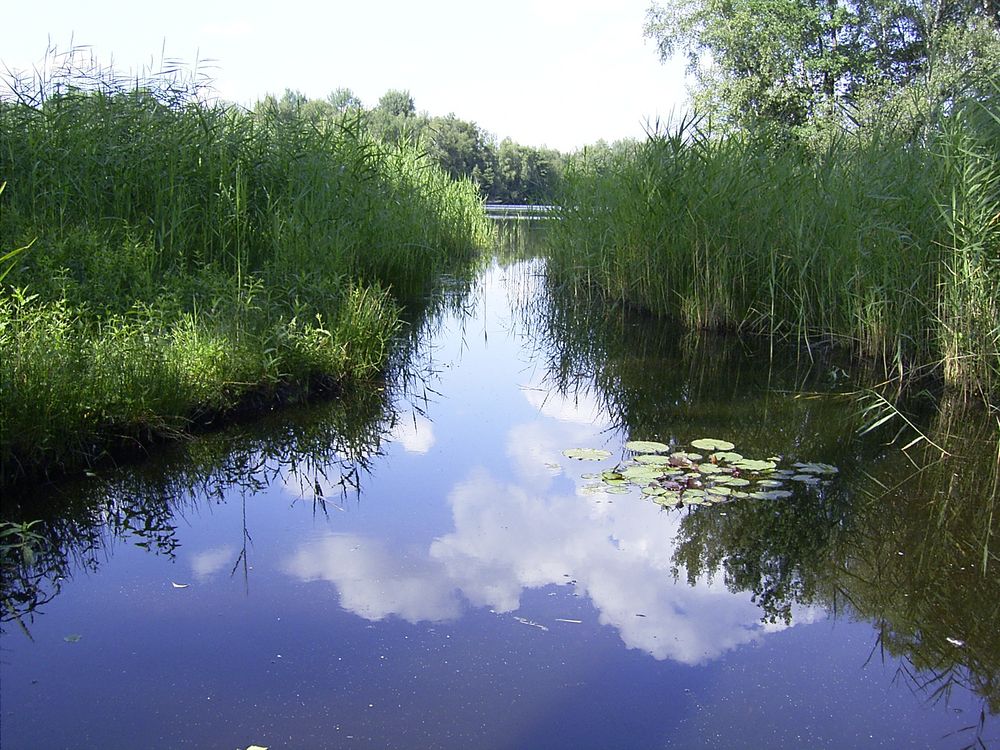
[179,585]
[73,638]
[532,623]
[955,642]
[564,619]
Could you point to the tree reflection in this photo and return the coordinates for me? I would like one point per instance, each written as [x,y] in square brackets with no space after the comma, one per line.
[902,539]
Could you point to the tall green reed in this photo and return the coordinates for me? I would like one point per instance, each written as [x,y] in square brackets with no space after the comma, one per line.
[851,245]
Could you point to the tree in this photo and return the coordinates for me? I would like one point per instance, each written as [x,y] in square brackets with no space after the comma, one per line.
[344,100]
[788,64]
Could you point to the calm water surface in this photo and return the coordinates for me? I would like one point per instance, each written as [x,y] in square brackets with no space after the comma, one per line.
[444,577]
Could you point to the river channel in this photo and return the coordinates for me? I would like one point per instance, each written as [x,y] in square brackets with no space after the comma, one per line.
[436,568]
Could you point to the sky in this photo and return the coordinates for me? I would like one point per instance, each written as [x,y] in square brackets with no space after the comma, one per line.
[559,73]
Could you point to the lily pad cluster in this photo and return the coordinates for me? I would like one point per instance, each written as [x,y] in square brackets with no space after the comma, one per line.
[711,473]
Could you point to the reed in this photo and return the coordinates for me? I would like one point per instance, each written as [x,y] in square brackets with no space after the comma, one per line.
[878,244]
[189,258]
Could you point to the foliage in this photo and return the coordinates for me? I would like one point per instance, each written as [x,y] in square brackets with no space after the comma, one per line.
[193,259]
[856,245]
[790,66]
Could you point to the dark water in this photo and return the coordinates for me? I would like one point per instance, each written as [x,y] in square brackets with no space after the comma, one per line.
[429,570]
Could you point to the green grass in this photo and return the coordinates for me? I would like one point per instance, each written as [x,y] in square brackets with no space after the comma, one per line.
[884,246]
[190,259]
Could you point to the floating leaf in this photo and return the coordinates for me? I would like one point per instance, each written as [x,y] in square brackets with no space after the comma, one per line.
[653,489]
[73,638]
[587,454]
[646,446]
[670,500]
[654,459]
[719,490]
[816,468]
[709,469]
[642,474]
[806,478]
[590,476]
[751,465]
[770,483]
[711,444]
[771,495]
[727,457]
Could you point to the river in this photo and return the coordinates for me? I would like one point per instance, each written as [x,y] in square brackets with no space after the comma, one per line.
[430,569]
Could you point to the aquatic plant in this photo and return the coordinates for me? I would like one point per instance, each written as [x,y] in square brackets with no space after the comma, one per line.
[885,247]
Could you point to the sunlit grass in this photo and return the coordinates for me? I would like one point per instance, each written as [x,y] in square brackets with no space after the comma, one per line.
[190,259]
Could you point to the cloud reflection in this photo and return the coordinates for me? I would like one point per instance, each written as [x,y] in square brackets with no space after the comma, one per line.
[374,581]
[507,540]
[415,433]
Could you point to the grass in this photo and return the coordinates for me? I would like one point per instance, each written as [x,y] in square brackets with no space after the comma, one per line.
[188,259]
[884,246]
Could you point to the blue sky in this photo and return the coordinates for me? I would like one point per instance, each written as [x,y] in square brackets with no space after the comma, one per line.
[561,73]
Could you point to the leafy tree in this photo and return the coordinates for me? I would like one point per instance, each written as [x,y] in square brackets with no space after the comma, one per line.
[397,103]
[791,63]
[462,148]
[344,100]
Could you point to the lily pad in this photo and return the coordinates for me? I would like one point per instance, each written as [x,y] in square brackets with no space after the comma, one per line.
[816,468]
[711,444]
[587,454]
[656,459]
[709,469]
[727,457]
[654,490]
[646,446]
[771,495]
[642,473]
[806,478]
[720,490]
[669,500]
[770,483]
[750,464]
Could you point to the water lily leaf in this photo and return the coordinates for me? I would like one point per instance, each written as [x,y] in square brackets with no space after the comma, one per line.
[806,478]
[732,481]
[654,490]
[751,465]
[642,474]
[771,495]
[719,490]
[587,454]
[655,459]
[711,444]
[727,457]
[611,475]
[770,483]
[688,455]
[688,494]
[646,446]
[615,483]
[618,489]
[669,500]
[816,468]
[590,475]
[709,469]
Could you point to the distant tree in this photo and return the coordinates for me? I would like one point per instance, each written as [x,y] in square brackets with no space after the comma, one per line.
[344,100]
[397,103]
[462,148]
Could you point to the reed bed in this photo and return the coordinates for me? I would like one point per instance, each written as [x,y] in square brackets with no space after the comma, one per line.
[877,243]
[190,259]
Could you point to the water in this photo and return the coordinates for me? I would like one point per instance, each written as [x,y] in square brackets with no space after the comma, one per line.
[427,569]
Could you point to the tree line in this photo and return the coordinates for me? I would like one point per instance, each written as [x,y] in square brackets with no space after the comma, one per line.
[504,171]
